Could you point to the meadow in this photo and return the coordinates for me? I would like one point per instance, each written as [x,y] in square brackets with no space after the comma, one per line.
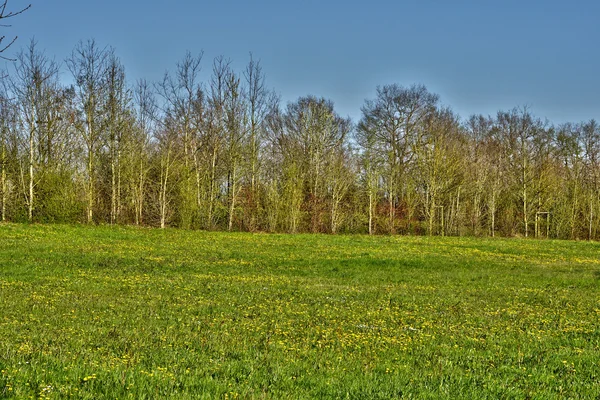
[114,312]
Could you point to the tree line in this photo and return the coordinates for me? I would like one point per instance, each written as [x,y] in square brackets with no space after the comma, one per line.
[225,154]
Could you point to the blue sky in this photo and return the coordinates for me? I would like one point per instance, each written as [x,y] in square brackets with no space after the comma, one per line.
[479,56]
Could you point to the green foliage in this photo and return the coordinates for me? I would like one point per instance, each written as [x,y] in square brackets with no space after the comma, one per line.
[59,200]
[123,312]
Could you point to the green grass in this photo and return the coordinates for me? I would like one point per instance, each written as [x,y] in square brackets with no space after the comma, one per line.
[122,312]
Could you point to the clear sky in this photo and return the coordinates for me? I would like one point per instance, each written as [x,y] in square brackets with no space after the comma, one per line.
[478,55]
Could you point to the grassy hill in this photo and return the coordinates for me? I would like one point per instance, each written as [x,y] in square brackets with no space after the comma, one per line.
[101,312]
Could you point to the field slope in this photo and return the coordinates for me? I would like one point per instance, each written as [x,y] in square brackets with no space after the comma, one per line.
[122,312]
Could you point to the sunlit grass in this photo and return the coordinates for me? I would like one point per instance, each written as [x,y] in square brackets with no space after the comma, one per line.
[122,312]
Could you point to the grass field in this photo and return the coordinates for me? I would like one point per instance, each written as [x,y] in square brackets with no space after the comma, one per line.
[138,313]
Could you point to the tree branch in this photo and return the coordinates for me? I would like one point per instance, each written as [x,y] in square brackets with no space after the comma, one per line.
[3,15]
[11,13]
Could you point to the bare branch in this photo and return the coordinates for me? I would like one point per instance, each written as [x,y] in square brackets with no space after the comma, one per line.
[11,13]
[4,15]
[6,47]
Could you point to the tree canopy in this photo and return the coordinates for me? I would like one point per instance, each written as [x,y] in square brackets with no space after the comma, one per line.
[224,153]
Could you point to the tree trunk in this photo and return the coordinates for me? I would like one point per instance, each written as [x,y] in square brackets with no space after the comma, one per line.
[198,180]
[233,196]
[574,209]
[392,208]
[591,217]
[31,154]
[3,184]
[370,212]
[458,221]
[493,213]
[118,214]
[253,166]
[211,200]
[477,214]
[525,220]
[163,192]
[90,194]
[140,194]
[113,189]
[431,203]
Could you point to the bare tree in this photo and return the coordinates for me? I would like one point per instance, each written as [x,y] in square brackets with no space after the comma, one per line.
[273,163]
[88,64]
[146,116]
[496,178]
[235,121]
[591,147]
[284,176]
[339,176]
[313,132]
[478,129]
[166,141]
[569,161]
[8,133]
[117,111]
[259,102]
[34,84]
[518,129]
[393,117]
[214,137]
[182,93]
[437,165]
[371,161]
